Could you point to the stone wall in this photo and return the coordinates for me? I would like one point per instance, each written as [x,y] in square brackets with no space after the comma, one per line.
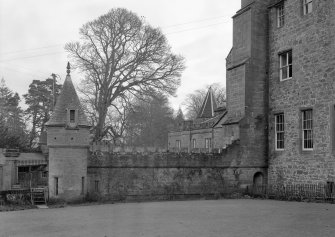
[247,93]
[113,176]
[69,165]
[68,152]
[312,41]
[226,135]
[236,92]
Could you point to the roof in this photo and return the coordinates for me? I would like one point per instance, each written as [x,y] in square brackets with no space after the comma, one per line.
[24,158]
[213,121]
[232,120]
[68,99]
[209,105]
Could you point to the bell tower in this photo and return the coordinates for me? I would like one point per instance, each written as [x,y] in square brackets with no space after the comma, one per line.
[68,142]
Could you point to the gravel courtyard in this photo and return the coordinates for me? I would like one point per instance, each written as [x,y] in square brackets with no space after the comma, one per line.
[176,219]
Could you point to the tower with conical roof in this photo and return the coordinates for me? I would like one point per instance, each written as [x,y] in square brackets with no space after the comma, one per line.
[209,105]
[68,142]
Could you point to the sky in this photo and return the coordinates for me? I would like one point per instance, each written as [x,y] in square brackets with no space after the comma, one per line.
[33,34]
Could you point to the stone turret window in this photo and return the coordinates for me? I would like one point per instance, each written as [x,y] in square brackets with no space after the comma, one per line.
[307,6]
[72,116]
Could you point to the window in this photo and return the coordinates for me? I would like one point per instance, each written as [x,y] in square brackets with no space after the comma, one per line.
[178,144]
[285,61]
[194,145]
[307,129]
[72,116]
[96,185]
[280,131]
[307,6]
[23,169]
[208,143]
[44,174]
[56,185]
[280,15]
[82,185]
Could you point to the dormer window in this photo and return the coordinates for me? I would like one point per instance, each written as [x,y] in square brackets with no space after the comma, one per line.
[72,116]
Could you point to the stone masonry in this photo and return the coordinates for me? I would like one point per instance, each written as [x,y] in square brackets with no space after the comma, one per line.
[165,175]
[68,143]
[311,38]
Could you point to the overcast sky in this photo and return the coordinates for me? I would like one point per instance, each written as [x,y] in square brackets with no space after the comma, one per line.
[33,34]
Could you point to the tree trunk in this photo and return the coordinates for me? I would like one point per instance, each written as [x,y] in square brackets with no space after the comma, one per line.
[100,127]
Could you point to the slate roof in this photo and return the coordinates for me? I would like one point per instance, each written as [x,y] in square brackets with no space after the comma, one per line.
[68,99]
[29,158]
[232,120]
[209,105]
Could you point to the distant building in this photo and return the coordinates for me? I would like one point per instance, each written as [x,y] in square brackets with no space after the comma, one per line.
[201,134]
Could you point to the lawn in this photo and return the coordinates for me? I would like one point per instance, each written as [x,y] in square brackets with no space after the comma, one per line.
[233,217]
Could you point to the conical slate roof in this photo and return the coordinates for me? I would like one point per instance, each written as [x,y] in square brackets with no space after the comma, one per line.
[67,100]
[209,105]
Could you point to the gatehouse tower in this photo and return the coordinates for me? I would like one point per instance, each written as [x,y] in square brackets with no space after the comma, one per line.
[68,143]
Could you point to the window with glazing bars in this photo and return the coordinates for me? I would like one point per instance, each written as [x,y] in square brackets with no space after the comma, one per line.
[307,129]
[307,6]
[72,116]
[208,143]
[280,131]
[178,144]
[285,65]
[280,15]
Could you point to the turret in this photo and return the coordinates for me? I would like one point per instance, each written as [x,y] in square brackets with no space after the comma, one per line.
[68,142]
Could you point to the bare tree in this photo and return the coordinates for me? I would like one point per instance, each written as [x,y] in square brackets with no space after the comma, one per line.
[194,101]
[122,57]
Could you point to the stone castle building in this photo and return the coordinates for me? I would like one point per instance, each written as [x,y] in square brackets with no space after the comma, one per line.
[301,77]
[278,126]
[280,89]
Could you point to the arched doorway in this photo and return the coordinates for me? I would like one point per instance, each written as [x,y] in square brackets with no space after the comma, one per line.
[258,179]
[258,184]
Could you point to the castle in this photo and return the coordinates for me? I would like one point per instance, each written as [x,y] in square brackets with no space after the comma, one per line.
[280,91]
[278,126]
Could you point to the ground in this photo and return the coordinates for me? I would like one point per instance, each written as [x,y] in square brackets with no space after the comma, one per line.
[252,218]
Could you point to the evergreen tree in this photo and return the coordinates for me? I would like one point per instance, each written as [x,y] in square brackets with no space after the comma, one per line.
[40,103]
[12,125]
